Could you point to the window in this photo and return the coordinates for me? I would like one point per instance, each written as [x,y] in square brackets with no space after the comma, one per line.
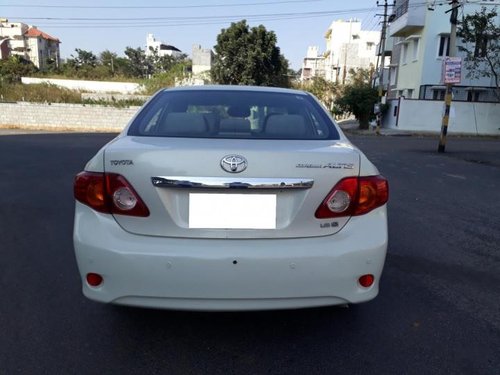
[444,46]
[415,49]
[473,96]
[404,53]
[410,93]
[369,45]
[481,48]
[438,94]
[233,114]
[393,73]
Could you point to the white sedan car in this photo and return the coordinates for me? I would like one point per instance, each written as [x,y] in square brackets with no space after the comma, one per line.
[230,198]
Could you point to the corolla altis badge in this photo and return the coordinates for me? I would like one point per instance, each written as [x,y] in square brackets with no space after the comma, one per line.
[233,163]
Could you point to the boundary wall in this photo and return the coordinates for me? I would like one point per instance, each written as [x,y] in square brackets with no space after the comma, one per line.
[426,116]
[55,116]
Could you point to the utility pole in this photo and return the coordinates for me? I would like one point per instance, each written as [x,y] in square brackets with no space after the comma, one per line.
[344,73]
[449,86]
[383,38]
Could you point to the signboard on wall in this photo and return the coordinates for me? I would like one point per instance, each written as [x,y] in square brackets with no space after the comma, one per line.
[452,70]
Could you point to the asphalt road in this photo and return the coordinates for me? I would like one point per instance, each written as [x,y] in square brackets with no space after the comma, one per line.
[438,311]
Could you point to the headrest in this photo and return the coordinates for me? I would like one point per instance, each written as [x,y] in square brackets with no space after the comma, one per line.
[182,123]
[286,126]
[238,111]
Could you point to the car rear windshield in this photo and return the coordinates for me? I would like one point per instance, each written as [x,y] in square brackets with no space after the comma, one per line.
[233,114]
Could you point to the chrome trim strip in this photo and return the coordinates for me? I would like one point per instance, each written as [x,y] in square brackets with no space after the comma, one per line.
[231,183]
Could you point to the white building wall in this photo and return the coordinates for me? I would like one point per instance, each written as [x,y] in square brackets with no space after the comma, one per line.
[34,46]
[202,59]
[313,64]
[426,116]
[14,31]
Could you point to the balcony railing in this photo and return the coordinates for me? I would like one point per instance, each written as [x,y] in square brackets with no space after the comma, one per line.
[401,8]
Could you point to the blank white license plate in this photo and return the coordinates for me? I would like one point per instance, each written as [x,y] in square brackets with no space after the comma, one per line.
[232,211]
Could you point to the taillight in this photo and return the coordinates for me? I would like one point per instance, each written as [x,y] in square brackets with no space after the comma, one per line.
[353,196]
[109,193]
[89,189]
[373,193]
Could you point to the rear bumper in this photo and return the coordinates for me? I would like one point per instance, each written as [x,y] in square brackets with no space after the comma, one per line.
[218,274]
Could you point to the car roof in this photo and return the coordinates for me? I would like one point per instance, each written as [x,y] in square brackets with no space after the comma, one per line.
[237,88]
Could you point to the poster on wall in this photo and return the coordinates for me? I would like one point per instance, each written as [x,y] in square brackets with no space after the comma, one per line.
[452,70]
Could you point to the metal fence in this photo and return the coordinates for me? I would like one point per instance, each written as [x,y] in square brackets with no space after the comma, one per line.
[483,94]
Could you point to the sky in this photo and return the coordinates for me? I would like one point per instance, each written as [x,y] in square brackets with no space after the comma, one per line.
[96,26]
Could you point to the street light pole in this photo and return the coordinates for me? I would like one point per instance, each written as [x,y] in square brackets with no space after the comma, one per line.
[449,86]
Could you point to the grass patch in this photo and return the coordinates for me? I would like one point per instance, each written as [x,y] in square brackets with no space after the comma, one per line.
[116,103]
[47,93]
[42,93]
[105,78]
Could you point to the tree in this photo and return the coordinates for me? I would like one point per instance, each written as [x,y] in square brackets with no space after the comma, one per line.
[15,67]
[84,58]
[247,56]
[165,63]
[108,59]
[82,65]
[138,64]
[359,97]
[167,78]
[480,36]
[324,90]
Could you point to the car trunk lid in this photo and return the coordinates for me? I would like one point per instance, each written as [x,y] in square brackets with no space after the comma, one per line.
[191,190]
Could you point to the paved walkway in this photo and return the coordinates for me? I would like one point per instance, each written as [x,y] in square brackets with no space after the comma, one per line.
[352,127]
[471,148]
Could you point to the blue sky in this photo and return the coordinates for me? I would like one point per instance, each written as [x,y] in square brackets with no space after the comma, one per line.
[111,24]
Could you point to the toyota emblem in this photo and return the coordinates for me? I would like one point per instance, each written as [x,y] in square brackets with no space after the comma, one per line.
[234,163]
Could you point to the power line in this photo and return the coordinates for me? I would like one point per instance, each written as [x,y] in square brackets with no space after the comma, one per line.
[139,22]
[59,22]
[177,18]
[374,22]
[267,15]
[227,5]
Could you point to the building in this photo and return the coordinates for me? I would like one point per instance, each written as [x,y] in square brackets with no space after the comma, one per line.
[43,49]
[347,47]
[313,64]
[202,59]
[29,42]
[162,49]
[420,35]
